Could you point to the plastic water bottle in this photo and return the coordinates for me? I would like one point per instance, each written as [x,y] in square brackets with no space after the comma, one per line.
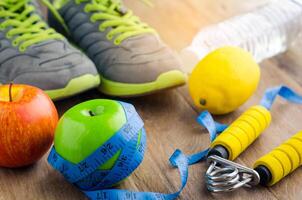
[265,32]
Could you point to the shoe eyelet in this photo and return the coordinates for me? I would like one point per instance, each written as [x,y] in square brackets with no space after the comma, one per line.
[109,36]
[22,48]
[8,35]
[86,10]
[117,42]
[15,43]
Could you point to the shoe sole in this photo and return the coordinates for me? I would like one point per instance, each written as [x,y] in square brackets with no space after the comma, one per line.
[165,81]
[75,86]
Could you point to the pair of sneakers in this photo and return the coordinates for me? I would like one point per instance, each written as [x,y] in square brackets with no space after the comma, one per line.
[108,48]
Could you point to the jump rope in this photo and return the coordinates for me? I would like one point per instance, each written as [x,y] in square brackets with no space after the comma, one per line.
[222,175]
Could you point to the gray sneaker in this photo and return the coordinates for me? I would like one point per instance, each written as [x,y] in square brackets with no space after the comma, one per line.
[32,53]
[129,55]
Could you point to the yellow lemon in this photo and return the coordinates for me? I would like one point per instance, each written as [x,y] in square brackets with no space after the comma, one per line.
[224,80]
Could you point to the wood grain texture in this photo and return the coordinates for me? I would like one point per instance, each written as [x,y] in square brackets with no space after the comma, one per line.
[170,118]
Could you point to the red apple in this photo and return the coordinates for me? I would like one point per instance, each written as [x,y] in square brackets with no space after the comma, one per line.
[28,119]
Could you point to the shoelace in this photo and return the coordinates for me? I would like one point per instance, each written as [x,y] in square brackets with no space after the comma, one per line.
[113,15]
[23,25]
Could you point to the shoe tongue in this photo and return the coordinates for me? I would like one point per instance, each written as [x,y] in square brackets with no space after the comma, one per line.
[120,9]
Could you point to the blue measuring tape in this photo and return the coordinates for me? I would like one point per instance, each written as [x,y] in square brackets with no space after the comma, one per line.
[95,183]
[214,128]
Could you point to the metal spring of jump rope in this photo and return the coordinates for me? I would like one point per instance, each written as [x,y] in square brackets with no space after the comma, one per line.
[225,176]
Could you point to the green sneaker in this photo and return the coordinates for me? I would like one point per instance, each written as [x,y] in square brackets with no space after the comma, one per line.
[32,53]
[129,55]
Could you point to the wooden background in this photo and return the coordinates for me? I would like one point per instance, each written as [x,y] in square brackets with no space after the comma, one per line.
[170,118]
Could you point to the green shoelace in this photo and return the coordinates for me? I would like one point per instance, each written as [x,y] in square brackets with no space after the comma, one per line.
[113,15]
[23,25]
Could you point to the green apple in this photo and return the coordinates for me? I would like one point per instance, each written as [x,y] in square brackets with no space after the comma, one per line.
[87,126]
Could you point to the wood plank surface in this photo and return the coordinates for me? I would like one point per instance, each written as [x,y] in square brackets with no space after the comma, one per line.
[170,118]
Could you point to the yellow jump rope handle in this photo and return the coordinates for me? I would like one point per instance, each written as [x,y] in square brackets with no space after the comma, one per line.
[283,159]
[243,131]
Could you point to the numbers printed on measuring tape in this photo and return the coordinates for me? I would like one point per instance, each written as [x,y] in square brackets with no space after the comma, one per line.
[127,128]
[55,157]
[83,166]
[106,148]
[140,148]
[101,196]
[121,161]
